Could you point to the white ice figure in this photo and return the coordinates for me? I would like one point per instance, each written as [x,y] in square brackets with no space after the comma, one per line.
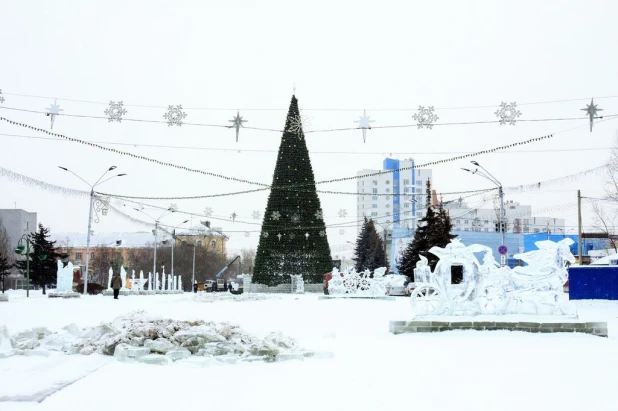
[169,282]
[133,287]
[164,283]
[6,348]
[110,274]
[159,283]
[123,276]
[141,279]
[149,280]
[487,288]
[64,277]
[179,283]
[422,272]
[174,282]
[353,283]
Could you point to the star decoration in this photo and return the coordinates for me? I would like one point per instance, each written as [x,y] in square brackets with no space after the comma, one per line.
[364,123]
[276,215]
[508,113]
[265,234]
[322,233]
[1,97]
[53,111]
[292,236]
[208,211]
[115,111]
[174,115]
[306,236]
[173,207]
[343,213]
[591,109]
[425,117]
[256,215]
[279,236]
[233,216]
[237,123]
[319,215]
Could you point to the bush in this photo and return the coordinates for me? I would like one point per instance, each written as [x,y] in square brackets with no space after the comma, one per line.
[93,288]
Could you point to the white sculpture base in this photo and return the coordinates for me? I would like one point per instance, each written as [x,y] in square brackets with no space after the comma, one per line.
[63,294]
[142,292]
[356,297]
[4,297]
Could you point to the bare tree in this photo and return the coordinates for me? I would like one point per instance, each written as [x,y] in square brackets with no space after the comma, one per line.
[611,183]
[5,246]
[606,222]
[248,260]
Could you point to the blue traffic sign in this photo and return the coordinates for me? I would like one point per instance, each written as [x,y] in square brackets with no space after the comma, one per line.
[502,250]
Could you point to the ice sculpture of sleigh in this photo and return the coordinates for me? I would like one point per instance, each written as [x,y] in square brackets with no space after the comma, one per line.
[487,288]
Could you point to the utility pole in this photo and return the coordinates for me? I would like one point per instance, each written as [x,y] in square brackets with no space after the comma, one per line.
[579,227]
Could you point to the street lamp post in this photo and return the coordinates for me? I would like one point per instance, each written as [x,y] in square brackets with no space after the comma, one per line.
[488,176]
[92,186]
[174,243]
[194,245]
[168,211]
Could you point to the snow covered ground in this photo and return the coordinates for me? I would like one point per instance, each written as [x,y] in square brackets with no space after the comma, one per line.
[371,369]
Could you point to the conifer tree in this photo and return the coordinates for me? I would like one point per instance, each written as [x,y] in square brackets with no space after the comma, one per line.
[369,251]
[293,238]
[5,269]
[43,257]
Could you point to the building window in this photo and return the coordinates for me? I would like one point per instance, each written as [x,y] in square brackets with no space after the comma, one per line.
[486,221]
[457,221]
[536,230]
[388,214]
[213,244]
[388,190]
[375,198]
[419,190]
[388,182]
[92,256]
[78,256]
[388,221]
[375,182]
[406,205]
[526,222]
[388,197]
[419,213]
[406,182]
[374,205]
[466,229]
[487,229]
[388,206]
[374,214]
[526,229]
[406,189]
[465,221]
[374,190]
[419,183]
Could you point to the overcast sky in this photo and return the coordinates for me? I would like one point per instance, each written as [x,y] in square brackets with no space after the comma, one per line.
[248,55]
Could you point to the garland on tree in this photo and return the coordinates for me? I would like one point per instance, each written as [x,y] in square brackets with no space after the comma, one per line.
[293,238]
[434,230]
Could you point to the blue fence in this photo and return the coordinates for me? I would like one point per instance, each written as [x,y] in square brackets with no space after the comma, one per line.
[593,283]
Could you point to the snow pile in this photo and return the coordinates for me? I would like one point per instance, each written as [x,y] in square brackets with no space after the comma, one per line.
[212,297]
[159,341]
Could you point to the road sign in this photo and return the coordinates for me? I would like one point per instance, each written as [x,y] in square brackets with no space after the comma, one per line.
[502,250]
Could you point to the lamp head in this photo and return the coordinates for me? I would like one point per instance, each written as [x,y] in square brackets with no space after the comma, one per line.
[120,175]
[475,163]
[63,168]
[43,257]
[465,169]
[19,249]
[112,168]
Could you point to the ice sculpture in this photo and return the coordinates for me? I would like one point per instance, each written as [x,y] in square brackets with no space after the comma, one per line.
[64,277]
[487,288]
[123,276]
[110,274]
[150,281]
[179,285]
[169,282]
[351,283]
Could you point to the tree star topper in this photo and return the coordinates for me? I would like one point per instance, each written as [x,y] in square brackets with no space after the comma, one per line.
[53,111]
[591,109]
[237,123]
[364,123]
[508,113]
[425,117]
[115,111]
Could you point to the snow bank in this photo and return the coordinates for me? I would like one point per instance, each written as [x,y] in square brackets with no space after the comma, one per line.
[138,334]
[213,297]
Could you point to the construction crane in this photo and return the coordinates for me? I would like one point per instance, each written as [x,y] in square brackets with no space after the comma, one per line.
[228,266]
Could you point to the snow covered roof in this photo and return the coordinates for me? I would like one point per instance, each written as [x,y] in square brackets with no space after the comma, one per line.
[200,230]
[128,240]
[605,260]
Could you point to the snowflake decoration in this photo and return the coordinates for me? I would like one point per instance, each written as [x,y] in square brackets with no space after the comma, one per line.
[295,218]
[343,213]
[296,124]
[247,234]
[508,113]
[276,215]
[256,215]
[322,233]
[1,97]
[292,236]
[115,111]
[173,207]
[425,117]
[265,234]
[208,211]
[174,115]
[319,215]
[341,232]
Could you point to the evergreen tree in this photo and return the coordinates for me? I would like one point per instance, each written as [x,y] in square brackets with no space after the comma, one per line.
[369,251]
[293,238]
[5,269]
[43,257]
[434,230]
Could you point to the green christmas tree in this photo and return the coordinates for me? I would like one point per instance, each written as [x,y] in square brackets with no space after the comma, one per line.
[369,251]
[43,257]
[293,239]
